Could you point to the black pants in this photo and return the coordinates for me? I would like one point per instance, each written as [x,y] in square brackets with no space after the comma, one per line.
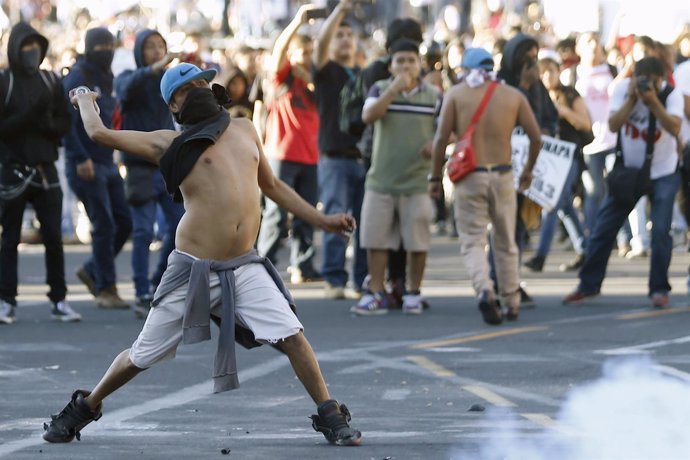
[48,206]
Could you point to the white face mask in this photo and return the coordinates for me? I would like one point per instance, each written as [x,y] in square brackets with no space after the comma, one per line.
[477,77]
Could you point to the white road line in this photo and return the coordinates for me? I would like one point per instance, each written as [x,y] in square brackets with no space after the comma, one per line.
[644,347]
[673,372]
[541,419]
[114,419]
[454,350]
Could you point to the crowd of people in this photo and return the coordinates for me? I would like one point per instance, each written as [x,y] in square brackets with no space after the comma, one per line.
[298,93]
[159,145]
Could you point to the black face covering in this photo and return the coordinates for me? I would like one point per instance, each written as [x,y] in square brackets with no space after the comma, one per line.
[199,105]
[102,59]
[30,60]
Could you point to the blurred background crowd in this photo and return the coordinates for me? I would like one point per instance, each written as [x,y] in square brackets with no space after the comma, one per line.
[237,37]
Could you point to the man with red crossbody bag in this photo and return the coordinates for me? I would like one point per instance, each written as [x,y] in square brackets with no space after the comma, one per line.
[486,193]
[464,160]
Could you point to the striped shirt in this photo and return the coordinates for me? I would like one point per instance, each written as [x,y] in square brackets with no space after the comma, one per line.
[397,167]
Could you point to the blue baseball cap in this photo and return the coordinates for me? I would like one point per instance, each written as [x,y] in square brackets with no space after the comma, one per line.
[180,75]
[477,58]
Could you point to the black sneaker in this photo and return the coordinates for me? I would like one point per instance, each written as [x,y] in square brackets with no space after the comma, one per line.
[142,305]
[490,308]
[536,263]
[526,300]
[332,421]
[67,425]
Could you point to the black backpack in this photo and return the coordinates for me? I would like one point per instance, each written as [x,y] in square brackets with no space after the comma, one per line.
[351,104]
[7,82]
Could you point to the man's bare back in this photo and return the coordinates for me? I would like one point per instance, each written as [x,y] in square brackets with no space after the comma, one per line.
[506,109]
[491,141]
[222,191]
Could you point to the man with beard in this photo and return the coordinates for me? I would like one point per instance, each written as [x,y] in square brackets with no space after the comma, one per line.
[33,118]
[94,177]
[219,170]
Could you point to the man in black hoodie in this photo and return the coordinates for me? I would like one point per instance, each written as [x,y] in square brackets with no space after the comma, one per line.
[519,69]
[143,109]
[33,117]
[93,175]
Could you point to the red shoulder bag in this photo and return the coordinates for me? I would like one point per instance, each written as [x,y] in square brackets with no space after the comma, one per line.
[463,160]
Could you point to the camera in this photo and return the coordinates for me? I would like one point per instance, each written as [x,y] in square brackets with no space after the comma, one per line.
[643,83]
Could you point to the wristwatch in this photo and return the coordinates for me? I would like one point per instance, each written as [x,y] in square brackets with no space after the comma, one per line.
[431,178]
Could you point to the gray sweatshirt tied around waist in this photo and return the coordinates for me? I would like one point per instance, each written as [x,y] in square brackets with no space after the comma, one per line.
[184,268]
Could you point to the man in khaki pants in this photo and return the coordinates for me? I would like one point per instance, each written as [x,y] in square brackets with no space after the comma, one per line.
[487,195]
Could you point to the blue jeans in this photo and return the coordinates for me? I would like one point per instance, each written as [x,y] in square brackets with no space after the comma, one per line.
[610,218]
[143,219]
[303,178]
[341,188]
[106,206]
[566,212]
[595,187]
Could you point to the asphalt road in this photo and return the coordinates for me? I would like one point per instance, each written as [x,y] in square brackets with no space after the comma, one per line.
[408,381]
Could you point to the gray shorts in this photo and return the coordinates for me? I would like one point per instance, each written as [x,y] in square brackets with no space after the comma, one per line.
[259,307]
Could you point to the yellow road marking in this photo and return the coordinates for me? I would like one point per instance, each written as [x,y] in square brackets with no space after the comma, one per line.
[541,419]
[488,395]
[476,338]
[428,364]
[652,313]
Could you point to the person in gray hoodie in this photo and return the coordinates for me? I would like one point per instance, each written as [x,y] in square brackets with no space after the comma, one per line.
[143,109]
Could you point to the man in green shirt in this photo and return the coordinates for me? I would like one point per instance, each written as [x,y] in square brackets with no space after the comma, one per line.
[396,204]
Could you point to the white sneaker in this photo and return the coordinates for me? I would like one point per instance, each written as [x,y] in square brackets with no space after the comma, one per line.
[334,292]
[7,313]
[413,304]
[62,311]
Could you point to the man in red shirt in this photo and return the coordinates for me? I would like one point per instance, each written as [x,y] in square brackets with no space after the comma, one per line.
[291,146]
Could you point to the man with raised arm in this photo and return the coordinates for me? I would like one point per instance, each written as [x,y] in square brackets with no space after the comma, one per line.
[292,129]
[341,168]
[217,167]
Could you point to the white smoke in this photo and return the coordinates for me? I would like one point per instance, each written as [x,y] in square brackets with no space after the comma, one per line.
[633,412]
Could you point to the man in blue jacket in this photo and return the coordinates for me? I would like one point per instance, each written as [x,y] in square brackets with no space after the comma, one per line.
[143,109]
[92,174]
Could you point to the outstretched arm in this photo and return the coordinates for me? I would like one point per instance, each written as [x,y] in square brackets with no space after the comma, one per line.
[280,49]
[286,198]
[330,26]
[148,145]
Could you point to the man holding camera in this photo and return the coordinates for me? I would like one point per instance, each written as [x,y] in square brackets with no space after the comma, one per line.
[639,103]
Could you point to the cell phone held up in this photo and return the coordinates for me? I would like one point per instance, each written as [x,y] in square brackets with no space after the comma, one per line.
[316,13]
